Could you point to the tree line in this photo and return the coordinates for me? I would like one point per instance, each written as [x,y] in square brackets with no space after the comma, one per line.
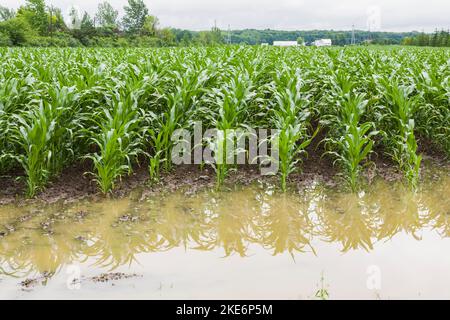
[339,38]
[39,24]
[436,39]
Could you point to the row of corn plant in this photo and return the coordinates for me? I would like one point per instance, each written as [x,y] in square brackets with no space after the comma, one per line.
[43,135]
[433,87]
[118,107]
[179,102]
[398,112]
[350,139]
[232,109]
[118,140]
[14,96]
[291,117]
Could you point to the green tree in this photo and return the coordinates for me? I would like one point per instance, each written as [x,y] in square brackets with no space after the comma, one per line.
[4,39]
[435,39]
[216,35]
[87,24]
[423,39]
[167,37]
[18,31]
[408,41]
[135,15]
[184,37]
[204,38]
[85,31]
[58,20]
[38,17]
[300,41]
[150,26]
[106,15]
[55,20]
[6,13]
[442,39]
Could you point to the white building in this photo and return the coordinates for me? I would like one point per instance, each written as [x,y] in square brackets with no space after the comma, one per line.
[322,43]
[285,43]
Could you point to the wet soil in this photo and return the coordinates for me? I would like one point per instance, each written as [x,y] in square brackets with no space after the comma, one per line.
[75,183]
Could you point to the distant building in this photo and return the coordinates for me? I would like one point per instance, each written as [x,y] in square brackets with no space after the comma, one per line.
[285,43]
[265,44]
[322,43]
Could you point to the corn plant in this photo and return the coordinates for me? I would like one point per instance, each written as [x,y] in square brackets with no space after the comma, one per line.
[43,135]
[33,133]
[119,141]
[60,106]
[233,105]
[350,140]
[399,113]
[15,95]
[432,82]
[291,116]
[355,142]
[178,107]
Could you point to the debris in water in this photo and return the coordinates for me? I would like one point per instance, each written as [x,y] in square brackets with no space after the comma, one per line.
[46,224]
[106,277]
[30,283]
[24,218]
[10,228]
[81,215]
[128,218]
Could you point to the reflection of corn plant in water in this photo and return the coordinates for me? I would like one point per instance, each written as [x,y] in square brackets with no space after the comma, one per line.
[322,292]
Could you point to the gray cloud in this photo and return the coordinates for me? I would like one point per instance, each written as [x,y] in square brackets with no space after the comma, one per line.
[285,14]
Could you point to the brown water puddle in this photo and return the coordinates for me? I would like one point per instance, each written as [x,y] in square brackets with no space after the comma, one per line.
[253,242]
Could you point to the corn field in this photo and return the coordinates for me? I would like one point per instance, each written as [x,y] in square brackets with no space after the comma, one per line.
[118,108]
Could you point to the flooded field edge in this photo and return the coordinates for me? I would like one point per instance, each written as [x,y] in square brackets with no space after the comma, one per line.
[75,183]
[175,229]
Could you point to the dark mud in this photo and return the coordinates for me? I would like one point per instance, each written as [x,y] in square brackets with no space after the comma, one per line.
[76,184]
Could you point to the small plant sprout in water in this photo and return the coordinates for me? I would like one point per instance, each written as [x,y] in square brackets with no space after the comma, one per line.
[322,293]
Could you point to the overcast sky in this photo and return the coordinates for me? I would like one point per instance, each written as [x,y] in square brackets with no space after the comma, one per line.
[384,15]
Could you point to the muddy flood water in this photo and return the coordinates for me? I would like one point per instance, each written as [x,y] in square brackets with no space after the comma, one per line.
[249,243]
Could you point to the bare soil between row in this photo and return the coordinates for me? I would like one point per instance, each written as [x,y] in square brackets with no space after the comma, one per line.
[76,184]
